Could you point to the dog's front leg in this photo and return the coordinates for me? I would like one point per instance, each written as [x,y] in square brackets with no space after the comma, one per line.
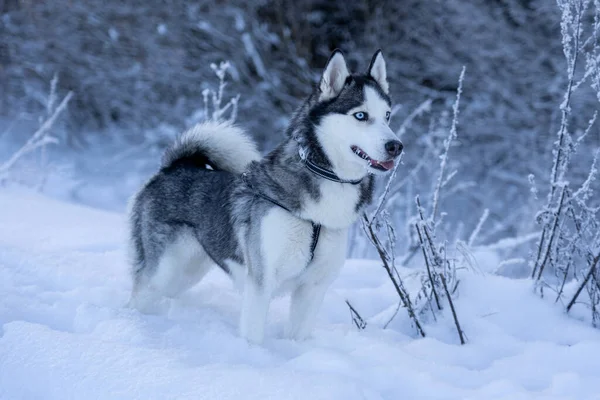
[307,298]
[305,304]
[255,306]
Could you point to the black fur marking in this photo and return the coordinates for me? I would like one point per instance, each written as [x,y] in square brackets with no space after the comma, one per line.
[373,61]
[191,159]
[366,192]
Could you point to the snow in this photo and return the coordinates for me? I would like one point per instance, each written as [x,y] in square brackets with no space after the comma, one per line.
[65,333]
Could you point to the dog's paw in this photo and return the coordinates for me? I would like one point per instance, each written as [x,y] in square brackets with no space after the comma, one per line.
[297,334]
[149,303]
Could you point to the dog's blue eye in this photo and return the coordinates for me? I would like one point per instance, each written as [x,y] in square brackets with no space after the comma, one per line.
[387,116]
[361,116]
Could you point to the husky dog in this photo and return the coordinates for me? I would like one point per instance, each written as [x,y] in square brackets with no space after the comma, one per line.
[277,223]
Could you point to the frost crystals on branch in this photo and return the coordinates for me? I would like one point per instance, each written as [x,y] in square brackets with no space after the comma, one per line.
[41,137]
[447,143]
[213,100]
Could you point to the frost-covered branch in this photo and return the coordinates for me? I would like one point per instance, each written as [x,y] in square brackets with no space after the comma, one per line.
[452,135]
[420,110]
[392,272]
[475,233]
[41,136]
[437,268]
[570,32]
[214,109]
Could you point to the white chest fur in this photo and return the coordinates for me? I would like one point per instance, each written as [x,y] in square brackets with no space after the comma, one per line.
[336,207]
[286,242]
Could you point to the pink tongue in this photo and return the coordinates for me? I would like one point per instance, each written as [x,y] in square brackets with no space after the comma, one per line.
[387,164]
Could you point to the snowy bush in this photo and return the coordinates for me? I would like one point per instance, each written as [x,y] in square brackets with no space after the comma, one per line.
[565,260]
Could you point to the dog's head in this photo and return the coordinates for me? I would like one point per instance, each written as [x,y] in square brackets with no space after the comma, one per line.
[350,114]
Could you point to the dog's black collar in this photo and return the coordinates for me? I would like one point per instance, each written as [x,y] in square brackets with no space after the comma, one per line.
[322,171]
[328,174]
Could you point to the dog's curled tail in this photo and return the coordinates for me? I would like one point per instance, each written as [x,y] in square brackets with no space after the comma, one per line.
[221,144]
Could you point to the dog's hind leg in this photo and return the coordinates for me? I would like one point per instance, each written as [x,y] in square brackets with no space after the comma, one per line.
[182,264]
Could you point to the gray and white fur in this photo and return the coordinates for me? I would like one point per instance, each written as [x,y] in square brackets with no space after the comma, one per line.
[215,201]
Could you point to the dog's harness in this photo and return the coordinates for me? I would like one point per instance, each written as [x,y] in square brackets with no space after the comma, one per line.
[317,170]
[316,228]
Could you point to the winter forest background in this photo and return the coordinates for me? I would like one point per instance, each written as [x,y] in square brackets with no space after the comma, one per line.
[515,179]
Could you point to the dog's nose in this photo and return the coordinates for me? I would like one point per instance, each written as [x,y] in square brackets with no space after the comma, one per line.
[394,148]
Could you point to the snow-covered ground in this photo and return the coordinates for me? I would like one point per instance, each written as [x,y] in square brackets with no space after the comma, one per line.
[65,333]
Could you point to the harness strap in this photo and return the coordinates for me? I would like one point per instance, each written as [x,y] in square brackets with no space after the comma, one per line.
[316,227]
[315,239]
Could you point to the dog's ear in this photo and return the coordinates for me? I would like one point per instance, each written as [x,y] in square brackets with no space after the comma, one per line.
[378,71]
[334,76]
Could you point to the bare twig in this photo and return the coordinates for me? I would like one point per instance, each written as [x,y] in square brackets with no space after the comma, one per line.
[589,274]
[461,334]
[392,274]
[393,315]
[38,139]
[552,237]
[383,196]
[421,232]
[356,318]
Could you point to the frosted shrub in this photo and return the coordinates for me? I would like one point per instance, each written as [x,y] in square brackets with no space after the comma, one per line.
[565,261]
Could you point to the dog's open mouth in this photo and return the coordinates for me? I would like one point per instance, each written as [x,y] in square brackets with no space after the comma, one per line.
[380,165]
